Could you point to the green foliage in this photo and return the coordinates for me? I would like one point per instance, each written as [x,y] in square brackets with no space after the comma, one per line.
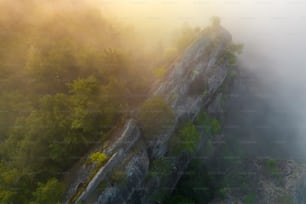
[52,108]
[189,136]
[230,54]
[215,126]
[270,163]
[12,105]
[8,177]
[53,67]
[50,192]
[250,198]
[236,48]
[63,125]
[202,119]
[271,166]
[186,139]
[90,108]
[155,116]
[178,199]
[40,135]
[160,167]
[98,157]
[211,125]
[197,185]
[222,192]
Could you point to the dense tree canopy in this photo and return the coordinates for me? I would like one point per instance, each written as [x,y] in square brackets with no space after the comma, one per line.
[67,73]
[65,79]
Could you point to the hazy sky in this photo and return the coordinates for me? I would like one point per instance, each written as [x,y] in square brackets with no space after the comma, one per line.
[270,26]
[273,33]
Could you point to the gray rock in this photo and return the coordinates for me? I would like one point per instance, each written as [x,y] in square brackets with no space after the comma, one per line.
[129,136]
[135,171]
[198,63]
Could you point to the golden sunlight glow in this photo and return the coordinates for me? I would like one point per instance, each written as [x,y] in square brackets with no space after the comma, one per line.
[152,12]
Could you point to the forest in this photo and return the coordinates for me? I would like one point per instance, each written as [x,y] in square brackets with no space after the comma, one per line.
[68,74]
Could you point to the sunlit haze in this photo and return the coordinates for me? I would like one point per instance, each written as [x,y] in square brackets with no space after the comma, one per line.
[97,94]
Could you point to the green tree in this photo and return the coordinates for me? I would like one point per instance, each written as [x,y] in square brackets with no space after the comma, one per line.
[198,185]
[160,167]
[94,106]
[8,178]
[56,110]
[215,126]
[40,136]
[53,65]
[186,139]
[15,186]
[50,192]
[211,125]
[13,104]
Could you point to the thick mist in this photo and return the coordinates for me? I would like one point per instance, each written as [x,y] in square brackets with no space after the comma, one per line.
[273,37]
[272,33]
[269,115]
[68,66]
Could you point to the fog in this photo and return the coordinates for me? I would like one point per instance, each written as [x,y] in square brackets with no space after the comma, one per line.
[273,37]
[68,66]
[270,30]
[274,47]
[272,33]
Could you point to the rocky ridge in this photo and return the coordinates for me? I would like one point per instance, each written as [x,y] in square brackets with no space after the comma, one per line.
[190,85]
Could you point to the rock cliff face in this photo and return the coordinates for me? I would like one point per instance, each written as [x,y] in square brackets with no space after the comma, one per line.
[194,79]
[191,84]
